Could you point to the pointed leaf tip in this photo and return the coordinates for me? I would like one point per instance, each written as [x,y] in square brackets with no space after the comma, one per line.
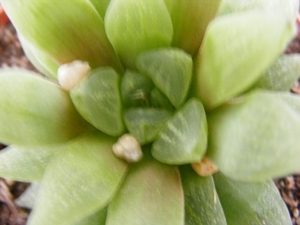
[226,66]
[137,26]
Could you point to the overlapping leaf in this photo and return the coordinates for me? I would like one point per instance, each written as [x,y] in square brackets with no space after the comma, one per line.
[97,218]
[282,75]
[97,98]
[84,177]
[134,27]
[42,61]
[202,204]
[25,164]
[145,123]
[289,8]
[253,138]
[35,111]
[251,203]
[66,30]
[171,71]
[183,139]
[151,194]
[190,19]
[227,65]
[135,89]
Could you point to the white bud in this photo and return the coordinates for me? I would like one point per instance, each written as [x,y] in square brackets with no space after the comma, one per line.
[70,74]
[128,148]
[205,167]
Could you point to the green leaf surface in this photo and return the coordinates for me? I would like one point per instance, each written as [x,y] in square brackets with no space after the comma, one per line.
[202,204]
[134,27]
[251,203]
[158,99]
[35,111]
[282,75]
[84,177]
[97,98]
[227,65]
[151,194]
[26,164]
[256,137]
[190,19]
[74,28]
[171,71]
[289,8]
[100,6]
[184,137]
[145,123]
[97,218]
[135,89]
[41,60]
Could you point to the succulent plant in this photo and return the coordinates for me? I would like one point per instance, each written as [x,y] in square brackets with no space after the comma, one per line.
[153,112]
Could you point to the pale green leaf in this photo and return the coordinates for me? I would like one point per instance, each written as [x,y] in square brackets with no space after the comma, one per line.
[202,204]
[159,100]
[134,27]
[97,218]
[97,98]
[289,8]
[35,111]
[171,71]
[25,164]
[251,203]
[100,6]
[282,75]
[145,123]
[184,137]
[256,137]
[190,19]
[227,65]
[66,30]
[151,194]
[135,89]
[43,62]
[79,181]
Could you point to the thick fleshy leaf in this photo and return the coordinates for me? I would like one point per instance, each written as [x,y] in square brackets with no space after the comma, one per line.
[35,111]
[135,89]
[171,71]
[227,65]
[97,98]
[43,62]
[97,218]
[256,137]
[74,29]
[202,204]
[190,19]
[159,100]
[251,203]
[151,194]
[101,6]
[84,177]
[289,8]
[28,197]
[25,164]
[145,123]
[184,137]
[282,75]
[134,27]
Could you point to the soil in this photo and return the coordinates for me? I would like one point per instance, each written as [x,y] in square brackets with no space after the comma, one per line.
[12,55]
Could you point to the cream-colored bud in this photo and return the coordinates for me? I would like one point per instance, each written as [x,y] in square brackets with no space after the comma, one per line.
[70,74]
[205,167]
[128,148]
